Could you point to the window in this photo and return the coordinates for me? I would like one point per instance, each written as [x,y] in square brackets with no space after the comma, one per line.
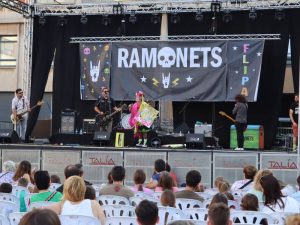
[8,50]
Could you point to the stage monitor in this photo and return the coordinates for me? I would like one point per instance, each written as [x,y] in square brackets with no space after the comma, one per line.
[205,129]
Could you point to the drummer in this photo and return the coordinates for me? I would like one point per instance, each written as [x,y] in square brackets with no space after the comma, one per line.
[140,131]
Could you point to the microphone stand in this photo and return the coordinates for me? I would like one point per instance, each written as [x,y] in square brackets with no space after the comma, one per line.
[184,125]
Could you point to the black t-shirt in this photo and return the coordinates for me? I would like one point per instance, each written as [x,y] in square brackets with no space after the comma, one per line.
[295,107]
[105,105]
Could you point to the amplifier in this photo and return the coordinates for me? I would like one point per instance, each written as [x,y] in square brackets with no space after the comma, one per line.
[89,126]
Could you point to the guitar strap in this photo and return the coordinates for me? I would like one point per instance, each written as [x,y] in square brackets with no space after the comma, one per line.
[23,103]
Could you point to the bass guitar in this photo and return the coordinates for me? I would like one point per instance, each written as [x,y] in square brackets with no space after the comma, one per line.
[23,112]
[103,120]
[227,116]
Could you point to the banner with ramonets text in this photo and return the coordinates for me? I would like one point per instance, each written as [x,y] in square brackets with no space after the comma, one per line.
[95,61]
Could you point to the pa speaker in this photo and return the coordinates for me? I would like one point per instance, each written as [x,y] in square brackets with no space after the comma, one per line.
[196,141]
[9,136]
[101,136]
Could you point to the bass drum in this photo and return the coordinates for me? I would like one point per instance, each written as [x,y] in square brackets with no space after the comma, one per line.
[125,121]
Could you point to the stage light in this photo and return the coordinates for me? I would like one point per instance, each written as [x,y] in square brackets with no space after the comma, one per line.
[105,20]
[83,18]
[42,19]
[132,18]
[215,6]
[199,16]
[279,14]
[175,18]
[118,9]
[155,18]
[252,14]
[227,17]
[62,21]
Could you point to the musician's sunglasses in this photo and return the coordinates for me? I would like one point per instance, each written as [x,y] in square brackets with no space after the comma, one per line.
[20,93]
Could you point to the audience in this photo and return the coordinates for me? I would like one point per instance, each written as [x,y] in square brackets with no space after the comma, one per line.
[165,182]
[219,214]
[5,188]
[79,166]
[90,193]
[139,178]
[117,187]
[172,173]
[55,179]
[42,183]
[219,198]
[8,171]
[147,213]
[224,186]
[250,203]
[159,166]
[40,216]
[167,198]
[293,220]
[70,170]
[274,200]
[23,171]
[23,182]
[257,189]
[73,202]
[245,184]
[192,179]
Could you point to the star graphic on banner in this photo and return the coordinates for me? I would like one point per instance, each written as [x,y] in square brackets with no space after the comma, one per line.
[235,48]
[236,71]
[143,79]
[189,79]
[258,54]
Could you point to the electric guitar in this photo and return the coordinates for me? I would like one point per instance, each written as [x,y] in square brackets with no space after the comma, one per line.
[227,116]
[103,120]
[23,112]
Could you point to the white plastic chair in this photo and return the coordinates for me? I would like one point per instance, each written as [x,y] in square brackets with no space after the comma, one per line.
[197,214]
[7,207]
[15,217]
[184,203]
[112,200]
[121,221]
[78,220]
[17,190]
[206,203]
[156,195]
[54,186]
[195,222]
[4,220]
[134,201]
[234,205]
[211,191]
[250,217]
[141,194]
[40,204]
[280,217]
[10,198]
[118,210]
[167,214]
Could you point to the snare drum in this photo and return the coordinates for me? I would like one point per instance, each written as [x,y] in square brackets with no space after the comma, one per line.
[125,121]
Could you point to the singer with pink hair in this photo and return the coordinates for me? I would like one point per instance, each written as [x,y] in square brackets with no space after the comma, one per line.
[140,131]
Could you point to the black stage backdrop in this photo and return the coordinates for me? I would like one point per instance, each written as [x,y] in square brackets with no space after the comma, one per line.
[66,92]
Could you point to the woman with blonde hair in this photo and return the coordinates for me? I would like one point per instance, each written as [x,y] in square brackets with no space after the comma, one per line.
[73,202]
[257,188]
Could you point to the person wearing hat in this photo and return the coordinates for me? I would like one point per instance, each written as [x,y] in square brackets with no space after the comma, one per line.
[140,131]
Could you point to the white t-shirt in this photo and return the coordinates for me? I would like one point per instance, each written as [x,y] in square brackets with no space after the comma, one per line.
[20,104]
[290,205]
[239,183]
[84,208]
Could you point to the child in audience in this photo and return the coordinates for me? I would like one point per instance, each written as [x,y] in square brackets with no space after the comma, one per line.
[250,203]
[165,182]
[224,186]
[159,166]
[139,178]
[6,188]
[23,182]
[90,193]
[55,179]
[219,198]
[167,198]
[40,216]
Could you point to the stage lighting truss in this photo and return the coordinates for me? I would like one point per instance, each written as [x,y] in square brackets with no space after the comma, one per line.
[227,17]
[252,14]
[199,16]
[158,7]
[177,38]
[17,6]
[132,18]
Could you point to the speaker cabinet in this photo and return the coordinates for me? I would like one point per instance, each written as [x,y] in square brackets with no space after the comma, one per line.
[195,141]
[9,136]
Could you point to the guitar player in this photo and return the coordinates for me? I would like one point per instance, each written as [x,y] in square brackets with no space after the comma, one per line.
[240,113]
[105,106]
[20,104]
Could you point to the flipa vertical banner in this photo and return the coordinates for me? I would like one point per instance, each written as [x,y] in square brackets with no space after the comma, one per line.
[95,61]
[244,66]
[177,71]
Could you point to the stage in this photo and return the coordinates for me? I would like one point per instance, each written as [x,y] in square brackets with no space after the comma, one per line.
[97,161]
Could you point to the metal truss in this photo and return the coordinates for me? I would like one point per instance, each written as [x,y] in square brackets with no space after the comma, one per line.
[155,6]
[27,59]
[177,38]
[17,6]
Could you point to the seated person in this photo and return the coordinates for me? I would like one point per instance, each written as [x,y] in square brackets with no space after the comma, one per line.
[147,213]
[23,182]
[165,182]
[139,178]
[159,166]
[5,188]
[42,182]
[90,193]
[168,199]
[245,184]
